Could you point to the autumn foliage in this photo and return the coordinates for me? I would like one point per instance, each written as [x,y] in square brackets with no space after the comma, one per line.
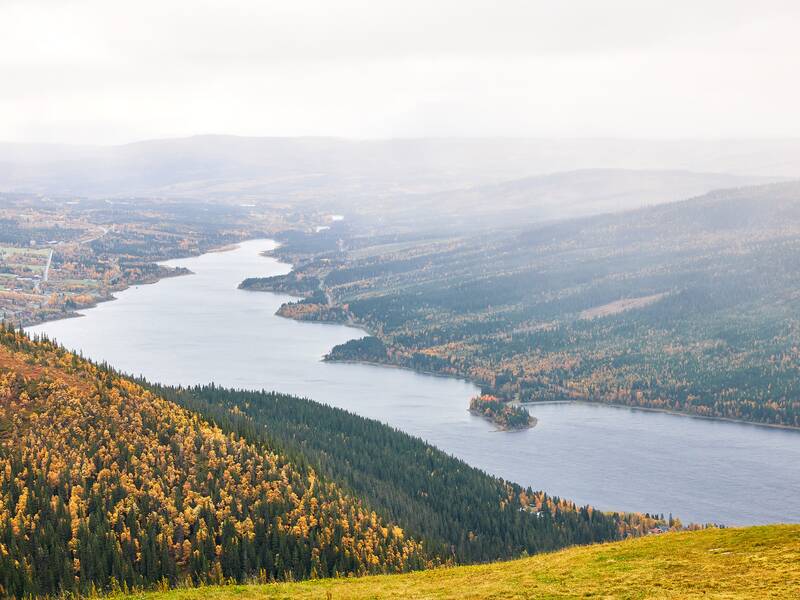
[105,485]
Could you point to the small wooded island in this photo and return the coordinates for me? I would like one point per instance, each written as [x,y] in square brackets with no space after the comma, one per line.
[507,416]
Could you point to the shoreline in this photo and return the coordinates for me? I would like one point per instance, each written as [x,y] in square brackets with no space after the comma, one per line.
[373,363]
[527,404]
[75,313]
[177,272]
[367,330]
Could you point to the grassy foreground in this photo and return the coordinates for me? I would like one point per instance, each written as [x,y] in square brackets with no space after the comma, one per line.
[754,562]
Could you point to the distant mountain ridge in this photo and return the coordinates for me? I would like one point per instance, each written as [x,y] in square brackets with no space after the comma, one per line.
[223,167]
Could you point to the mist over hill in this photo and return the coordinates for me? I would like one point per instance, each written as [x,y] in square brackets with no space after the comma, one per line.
[550,197]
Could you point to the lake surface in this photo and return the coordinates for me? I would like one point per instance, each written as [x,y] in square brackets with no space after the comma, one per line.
[200,328]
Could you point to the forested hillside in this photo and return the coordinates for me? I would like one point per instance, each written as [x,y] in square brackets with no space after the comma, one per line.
[105,485]
[458,511]
[689,306]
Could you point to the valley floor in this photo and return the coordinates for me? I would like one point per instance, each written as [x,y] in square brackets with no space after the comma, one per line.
[754,562]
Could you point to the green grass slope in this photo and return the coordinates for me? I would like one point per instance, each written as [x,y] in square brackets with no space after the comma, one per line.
[754,562]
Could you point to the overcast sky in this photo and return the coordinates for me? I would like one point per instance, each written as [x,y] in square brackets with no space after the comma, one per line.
[111,72]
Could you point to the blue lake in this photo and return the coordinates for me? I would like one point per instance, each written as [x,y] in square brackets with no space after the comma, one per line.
[200,328]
